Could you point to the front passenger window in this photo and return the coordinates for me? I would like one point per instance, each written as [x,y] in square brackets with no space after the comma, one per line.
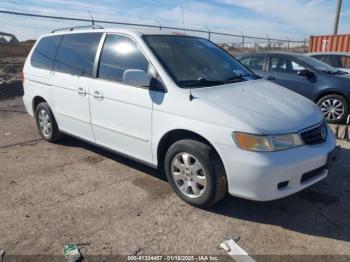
[297,67]
[120,53]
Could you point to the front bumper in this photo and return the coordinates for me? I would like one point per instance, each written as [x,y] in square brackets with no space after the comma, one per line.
[333,156]
[265,176]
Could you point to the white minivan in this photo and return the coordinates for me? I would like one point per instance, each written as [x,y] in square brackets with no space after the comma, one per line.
[181,104]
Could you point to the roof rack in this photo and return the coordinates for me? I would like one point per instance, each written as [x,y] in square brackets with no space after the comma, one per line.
[78,27]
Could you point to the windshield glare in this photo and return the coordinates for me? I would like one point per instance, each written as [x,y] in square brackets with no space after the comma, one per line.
[196,62]
[317,64]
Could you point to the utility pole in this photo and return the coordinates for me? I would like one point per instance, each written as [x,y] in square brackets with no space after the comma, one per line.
[182,14]
[336,20]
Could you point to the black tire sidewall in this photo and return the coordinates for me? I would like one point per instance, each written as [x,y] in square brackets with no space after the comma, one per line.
[345,103]
[204,157]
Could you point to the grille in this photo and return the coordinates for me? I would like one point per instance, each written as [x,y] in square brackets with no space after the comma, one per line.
[316,135]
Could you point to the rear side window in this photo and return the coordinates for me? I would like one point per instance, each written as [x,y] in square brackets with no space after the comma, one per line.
[120,53]
[76,54]
[45,51]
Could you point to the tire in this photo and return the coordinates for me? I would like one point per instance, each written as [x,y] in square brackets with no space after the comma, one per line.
[340,106]
[46,123]
[203,163]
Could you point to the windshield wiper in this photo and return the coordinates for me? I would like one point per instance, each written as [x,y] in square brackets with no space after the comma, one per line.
[241,78]
[199,82]
[204,82]
[337,72]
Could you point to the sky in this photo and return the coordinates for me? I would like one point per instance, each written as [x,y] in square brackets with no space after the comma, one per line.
[285,19]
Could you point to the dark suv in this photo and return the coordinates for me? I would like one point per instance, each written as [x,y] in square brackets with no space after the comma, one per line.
[322,83]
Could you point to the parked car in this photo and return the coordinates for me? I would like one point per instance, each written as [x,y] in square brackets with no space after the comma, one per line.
[180,104]
[327,86]
[338,60]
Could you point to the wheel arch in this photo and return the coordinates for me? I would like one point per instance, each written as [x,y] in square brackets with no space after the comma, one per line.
[174,135]
[36,101]
[330,92]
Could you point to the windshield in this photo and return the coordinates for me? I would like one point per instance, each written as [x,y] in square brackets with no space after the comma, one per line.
[196,62]
[317,64]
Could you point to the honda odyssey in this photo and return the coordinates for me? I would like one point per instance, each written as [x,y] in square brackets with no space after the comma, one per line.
[180,104]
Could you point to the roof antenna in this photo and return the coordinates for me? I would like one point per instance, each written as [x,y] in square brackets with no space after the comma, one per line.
[92,19]
[191,97]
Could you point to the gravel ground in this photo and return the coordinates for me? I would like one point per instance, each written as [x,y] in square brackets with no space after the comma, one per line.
[53,194]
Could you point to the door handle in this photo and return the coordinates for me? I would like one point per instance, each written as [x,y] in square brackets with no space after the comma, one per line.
[81,91]
[97,94]
[270,78]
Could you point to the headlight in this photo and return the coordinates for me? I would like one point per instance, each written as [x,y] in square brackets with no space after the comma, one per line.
[267,143]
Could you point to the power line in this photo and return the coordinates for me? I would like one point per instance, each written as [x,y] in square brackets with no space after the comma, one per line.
[138,25]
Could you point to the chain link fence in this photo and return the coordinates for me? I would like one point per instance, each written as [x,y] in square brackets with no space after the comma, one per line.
[19,31]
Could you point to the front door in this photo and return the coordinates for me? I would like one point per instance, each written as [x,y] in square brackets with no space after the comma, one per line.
[283,70]
[121,115]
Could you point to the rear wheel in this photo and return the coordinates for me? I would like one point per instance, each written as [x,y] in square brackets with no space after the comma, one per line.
[195,172]
[46,123]
[334,107]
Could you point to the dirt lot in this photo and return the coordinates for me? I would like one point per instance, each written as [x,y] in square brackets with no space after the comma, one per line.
[52,194]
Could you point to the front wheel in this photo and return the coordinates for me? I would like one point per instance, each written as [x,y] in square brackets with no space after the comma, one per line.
[334,107]
[195,172]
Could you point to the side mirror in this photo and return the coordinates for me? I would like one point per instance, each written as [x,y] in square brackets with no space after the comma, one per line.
[136,77]
[157,85]
[305,72]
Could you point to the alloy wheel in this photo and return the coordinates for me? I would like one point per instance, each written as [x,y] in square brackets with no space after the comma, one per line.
[333,109]
[45,123]
[188,175]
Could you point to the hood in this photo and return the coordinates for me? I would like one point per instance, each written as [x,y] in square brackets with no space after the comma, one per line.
[265,106]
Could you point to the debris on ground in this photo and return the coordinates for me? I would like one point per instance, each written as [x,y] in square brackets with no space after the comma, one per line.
[83,244]
[235,238]
[342,132]
[235,251]
[2,253]
[138,251]
[72,253]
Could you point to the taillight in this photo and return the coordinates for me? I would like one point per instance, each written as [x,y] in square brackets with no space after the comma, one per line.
[21,76]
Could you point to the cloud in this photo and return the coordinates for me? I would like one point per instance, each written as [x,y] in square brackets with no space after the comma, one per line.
[310,17]
[295,19]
